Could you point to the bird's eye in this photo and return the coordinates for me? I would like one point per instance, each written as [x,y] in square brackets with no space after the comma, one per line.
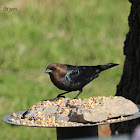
[52,68]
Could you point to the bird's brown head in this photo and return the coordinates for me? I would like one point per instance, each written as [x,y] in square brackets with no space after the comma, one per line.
[56,69]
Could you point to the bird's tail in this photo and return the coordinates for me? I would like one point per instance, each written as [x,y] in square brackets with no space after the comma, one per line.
[107,66]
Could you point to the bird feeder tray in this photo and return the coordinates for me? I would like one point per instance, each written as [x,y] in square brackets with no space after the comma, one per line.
[87,131]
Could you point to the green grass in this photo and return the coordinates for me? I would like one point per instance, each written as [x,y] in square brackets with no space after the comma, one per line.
[41,32]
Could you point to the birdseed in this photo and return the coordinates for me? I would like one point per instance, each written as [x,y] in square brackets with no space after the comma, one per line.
[39,119]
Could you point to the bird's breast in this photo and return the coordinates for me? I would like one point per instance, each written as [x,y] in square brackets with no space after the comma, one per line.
[59,82]
[63,83]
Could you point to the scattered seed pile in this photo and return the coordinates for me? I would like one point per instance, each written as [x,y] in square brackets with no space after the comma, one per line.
[66,112]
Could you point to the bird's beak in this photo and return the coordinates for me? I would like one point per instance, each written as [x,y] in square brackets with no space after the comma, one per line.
[48,71]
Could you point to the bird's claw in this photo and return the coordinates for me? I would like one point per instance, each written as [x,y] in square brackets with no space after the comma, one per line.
[60,96]
[54,99]
[57,98]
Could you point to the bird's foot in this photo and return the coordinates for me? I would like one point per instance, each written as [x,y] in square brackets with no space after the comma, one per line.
[60,96]
[57,98]
[80,91]
[54,99]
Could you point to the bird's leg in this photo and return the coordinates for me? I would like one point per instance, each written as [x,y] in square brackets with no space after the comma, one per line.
[80,91]
[60,95]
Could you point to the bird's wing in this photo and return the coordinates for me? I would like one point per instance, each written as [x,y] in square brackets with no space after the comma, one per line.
[82,74]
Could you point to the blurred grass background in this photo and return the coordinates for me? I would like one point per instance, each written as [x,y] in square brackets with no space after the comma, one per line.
[40,32]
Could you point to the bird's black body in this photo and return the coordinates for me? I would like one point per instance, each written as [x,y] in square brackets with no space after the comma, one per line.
[73,78]
[78,76]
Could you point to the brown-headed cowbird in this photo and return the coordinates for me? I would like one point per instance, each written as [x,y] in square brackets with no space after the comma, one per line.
[72,78]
